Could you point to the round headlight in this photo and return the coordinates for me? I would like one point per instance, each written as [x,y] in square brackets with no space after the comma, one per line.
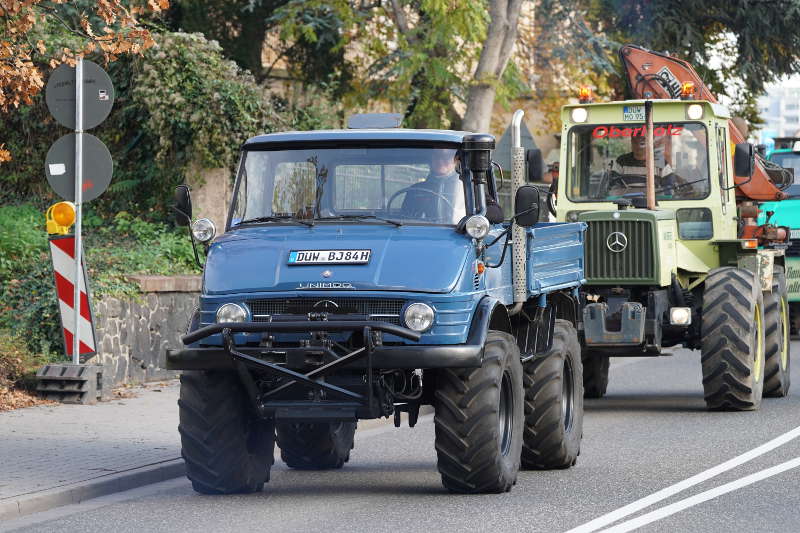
[203,229]
[477,226]
[418,317]
[579,114]
[231,313]
[694,111]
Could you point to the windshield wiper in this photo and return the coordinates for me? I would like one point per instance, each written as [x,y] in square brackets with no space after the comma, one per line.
[277,219]
[362,217]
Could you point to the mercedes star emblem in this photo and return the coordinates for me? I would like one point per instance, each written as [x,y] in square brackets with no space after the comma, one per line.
[617,241]
[326,273]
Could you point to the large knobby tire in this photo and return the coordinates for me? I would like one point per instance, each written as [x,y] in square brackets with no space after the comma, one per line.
[315,446]
[595,374]
[225,447]
[479,420]
[554,403]
[733,340]
[777,356]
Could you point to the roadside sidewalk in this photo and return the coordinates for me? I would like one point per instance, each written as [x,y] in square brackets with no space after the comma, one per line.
[56,455]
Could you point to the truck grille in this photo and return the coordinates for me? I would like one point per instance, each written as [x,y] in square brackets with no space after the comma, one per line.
[635,262]
[386,310]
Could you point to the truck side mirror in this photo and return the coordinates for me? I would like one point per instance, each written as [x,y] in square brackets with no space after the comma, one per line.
[533,157]
[526,205]
[183,206]
[744,160]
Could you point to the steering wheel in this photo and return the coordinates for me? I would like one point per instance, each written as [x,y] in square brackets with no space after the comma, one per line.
[607,182]
[418,190]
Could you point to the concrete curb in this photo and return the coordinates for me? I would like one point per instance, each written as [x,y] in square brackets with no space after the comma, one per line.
[18,506]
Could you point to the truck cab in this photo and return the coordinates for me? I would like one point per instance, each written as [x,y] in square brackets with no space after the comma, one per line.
[364,273]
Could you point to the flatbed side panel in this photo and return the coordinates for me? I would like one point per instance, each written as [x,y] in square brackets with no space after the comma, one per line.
[555,256]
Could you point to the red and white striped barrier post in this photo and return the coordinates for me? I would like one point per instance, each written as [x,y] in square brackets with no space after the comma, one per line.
[62,250]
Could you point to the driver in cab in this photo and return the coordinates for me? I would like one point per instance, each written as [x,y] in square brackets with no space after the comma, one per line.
[629,171]
[441,193]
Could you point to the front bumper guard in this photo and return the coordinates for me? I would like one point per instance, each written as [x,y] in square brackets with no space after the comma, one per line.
[630,333]
[348,404]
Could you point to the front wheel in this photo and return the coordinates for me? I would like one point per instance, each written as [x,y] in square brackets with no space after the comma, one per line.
[554,403]
[479,420]
[733,340]
[226,448]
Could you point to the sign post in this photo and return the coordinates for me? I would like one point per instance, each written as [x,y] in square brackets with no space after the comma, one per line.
[78,208]
[78,165]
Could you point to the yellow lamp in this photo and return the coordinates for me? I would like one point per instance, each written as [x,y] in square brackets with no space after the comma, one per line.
[60,217]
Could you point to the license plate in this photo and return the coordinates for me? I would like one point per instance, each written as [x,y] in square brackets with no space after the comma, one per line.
[794,234]
[329,257]
[633,113]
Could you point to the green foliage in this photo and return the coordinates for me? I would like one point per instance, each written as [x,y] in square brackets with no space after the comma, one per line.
[131,245]
[419,59]
[23,239]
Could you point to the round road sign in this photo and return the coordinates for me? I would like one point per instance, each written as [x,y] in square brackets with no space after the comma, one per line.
[98,95]
[60,167]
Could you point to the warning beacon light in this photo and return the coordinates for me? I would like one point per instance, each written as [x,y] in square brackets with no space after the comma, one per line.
[584,94]
[687,90]
[60,217]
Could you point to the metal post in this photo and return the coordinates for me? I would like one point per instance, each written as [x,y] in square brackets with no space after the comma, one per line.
[650,164]
[78,200]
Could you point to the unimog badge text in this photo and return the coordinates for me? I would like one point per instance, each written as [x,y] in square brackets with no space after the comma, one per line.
[325,285]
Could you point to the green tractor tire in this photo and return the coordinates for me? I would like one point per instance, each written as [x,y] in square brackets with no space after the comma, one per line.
[733,340]
[777,357]
[595,374]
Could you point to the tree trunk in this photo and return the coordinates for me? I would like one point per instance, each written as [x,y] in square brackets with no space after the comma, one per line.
[497,49]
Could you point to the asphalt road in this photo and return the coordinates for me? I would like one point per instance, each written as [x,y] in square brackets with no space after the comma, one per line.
[650,433]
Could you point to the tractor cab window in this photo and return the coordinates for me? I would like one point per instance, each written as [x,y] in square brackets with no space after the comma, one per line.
[607,162]
[411,185]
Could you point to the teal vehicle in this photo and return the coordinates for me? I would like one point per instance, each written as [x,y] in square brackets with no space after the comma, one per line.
[787,213]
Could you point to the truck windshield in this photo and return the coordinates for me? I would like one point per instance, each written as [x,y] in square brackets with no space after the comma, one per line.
[788,160]
[607,162]
[401,185]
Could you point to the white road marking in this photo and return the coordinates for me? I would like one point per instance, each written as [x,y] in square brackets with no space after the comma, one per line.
[678,506]
[667,492]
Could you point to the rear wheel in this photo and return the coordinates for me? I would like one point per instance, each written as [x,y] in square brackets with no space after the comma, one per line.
[316,446]
[554,403]
[479,420]
[776,332]
[595,374]
[733,340]
[226,448]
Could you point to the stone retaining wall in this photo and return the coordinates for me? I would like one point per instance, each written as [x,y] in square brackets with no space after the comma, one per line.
[133,334]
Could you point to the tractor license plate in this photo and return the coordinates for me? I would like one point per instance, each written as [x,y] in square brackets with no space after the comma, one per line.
[794,234]
[633,113]
[329,257]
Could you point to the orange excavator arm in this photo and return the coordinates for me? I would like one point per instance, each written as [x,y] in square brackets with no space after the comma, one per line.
[653,75]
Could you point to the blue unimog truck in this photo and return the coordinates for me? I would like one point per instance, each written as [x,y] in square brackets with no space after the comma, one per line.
[367,272]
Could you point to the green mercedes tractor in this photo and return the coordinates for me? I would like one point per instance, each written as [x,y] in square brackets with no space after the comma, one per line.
[666,259]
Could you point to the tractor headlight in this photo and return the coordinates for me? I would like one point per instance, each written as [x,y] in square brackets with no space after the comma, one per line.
[694,111]
[418,316]
[477,226]
[680,316]
[203,229]
[579,114]
[231,313]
